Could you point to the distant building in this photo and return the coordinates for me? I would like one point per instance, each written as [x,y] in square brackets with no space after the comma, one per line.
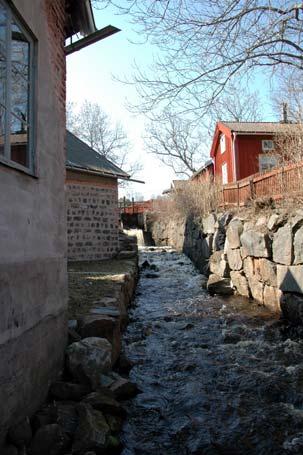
[240,149]
[205,172]
[92,202]
[175,186]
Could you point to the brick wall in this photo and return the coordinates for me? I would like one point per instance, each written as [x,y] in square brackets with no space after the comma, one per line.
[92,219]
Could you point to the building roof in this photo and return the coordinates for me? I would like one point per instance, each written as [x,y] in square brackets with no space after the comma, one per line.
[207,164]
[80,18]
[258,127]
[81,157]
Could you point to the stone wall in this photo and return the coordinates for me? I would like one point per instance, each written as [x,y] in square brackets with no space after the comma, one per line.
[33,281]
[92,218]
[259,257]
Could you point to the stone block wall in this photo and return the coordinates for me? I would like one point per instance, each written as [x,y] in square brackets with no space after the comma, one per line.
[92,220]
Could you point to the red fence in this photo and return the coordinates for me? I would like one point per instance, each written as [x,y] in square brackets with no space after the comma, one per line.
[276,184]
[138,207]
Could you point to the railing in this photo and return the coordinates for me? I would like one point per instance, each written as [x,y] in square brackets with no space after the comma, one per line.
[278,183]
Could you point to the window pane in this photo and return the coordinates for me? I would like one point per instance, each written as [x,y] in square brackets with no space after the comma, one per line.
[20,73]
[19,141]
[2,130]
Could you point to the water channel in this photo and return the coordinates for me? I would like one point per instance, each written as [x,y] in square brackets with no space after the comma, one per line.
[217,376]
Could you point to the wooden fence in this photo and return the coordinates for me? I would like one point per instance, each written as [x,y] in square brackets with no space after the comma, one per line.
[278,183]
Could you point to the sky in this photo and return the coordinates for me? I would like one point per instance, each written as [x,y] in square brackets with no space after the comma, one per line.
[92,74]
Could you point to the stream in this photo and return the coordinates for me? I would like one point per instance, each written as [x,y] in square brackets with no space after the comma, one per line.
[216,375]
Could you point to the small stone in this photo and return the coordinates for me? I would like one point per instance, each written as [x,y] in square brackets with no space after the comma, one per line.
[145,265]
[68,391]
[21,433]
[273,221]
[49,440]
[124,389]
[103,403]
[209,224]
[240,283]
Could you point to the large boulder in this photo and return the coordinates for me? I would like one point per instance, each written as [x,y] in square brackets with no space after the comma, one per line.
[61,390]
[292,308]
[255,244]
[93,432]
[102,326]
[298,246]
[240,283]
[283,245]
[88,359]
[233,233]
[234,259]
[248,266]
[290,278]
[266,271]
[218,285]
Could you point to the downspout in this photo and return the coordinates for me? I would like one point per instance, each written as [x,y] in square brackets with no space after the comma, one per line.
[234,137]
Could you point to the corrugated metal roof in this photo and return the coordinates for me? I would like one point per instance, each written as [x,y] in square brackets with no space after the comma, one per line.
[258,127]
[82,157]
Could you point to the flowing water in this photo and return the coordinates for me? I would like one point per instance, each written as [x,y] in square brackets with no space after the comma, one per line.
[217,376]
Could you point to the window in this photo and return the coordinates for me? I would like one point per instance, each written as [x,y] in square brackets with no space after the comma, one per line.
[267,162]
[16,87]
[222,143]
[224,174]
[267,145]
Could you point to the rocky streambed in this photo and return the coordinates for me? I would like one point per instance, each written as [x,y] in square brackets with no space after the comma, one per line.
[217,376]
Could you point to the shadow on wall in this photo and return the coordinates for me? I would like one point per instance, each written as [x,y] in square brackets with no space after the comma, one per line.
[290,283]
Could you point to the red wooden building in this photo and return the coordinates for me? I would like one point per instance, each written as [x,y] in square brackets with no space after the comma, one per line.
[240,149]
[204,173]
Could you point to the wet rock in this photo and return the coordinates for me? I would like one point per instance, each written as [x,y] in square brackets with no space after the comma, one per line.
[233,233]
[9,450]
[255,244]
[115,423]
[283,245]
[290,278]
[67,416]
[240,283]
[92,433]
[89,358]
[125,364]
[124,389]
[152,275]
[188,326]
[20,434]
[294,444]
[234,259]
[298,246]
[273,222]
[73,324]
[68,391]
[102,326]
[49,440]
[230,337]
[145,265]
[104,403]
[219,285]
[73,336]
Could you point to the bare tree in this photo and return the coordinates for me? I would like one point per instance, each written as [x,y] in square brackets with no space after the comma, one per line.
[207,44]
[94,126]
[289,96]
[177,143]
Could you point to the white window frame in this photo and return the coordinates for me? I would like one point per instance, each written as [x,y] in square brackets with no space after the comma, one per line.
[224,174]
[12,15]
[267,162]
[268,145]
[222,143]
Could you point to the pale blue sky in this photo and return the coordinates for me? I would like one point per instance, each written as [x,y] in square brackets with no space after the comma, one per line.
[90,76]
